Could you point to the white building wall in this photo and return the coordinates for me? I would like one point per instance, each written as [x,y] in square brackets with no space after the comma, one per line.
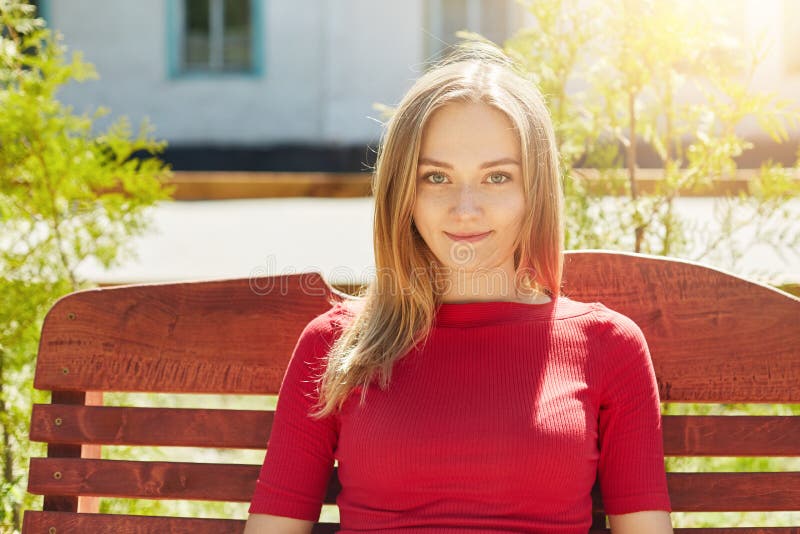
[325,63]
[370,49]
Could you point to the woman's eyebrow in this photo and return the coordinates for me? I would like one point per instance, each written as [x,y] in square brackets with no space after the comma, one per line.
[485,165]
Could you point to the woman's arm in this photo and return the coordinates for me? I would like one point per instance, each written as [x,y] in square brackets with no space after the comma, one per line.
[631,470]
[652,522]
[273,524]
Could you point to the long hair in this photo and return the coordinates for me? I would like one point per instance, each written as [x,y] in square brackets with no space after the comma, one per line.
[398,306]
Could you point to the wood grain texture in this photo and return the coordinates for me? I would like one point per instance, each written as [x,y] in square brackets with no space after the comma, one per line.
[226,336]
[74,450]
[706,331]
[734,492]
[728,492]
[67,523]
[731,435]
[148,480]
[115,425]
[689,492]
[248,429]
[713,337]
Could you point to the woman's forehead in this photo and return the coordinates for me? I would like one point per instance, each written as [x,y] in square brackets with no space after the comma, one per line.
[473,132]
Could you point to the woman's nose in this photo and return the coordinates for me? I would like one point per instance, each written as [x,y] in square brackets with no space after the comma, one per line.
[467,202]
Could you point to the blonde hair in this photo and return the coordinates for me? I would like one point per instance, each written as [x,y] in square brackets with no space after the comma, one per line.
[400,304]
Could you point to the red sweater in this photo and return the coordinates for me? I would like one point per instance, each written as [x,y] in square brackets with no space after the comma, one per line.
[502,421]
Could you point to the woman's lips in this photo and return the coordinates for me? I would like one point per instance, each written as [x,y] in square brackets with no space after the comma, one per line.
[469,238]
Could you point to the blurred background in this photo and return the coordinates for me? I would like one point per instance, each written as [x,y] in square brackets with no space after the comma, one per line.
[245,92]
[167,140]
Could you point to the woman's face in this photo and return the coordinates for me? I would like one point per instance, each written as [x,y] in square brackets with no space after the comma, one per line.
[469,181]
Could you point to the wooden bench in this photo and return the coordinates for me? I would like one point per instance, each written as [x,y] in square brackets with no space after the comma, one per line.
[714,338]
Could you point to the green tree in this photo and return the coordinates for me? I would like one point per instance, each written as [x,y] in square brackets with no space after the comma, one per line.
[611,73]
[68,194]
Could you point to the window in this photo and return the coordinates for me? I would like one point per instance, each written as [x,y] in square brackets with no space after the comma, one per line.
[791,37]
[496,20]
[215,36]
[41,7]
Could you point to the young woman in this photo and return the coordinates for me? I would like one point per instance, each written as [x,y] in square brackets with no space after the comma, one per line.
[462,392]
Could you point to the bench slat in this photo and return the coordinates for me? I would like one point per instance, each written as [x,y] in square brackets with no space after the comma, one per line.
[148,480]
[114,425]
[69,523]
[734,492]
[690,492]
[731,435]
[227,337]
[248,429]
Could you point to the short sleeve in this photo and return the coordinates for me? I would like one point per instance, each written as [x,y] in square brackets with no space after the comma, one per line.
[300,451]
[631,465]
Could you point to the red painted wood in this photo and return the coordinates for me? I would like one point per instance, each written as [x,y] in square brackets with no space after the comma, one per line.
[689,492]
[731,435]
[227,336]
[148,480]
[115,425]
[705,329]
[67,523]
[714,337]
[734,492]
[728,492]
[57,450]
[247,429]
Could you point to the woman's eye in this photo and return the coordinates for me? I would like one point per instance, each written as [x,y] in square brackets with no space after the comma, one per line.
[432,178]
[503,178]
[439,178]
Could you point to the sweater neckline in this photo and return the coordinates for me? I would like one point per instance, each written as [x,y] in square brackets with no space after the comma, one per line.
[484,313]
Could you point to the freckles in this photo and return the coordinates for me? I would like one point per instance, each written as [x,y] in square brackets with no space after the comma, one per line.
[510,204]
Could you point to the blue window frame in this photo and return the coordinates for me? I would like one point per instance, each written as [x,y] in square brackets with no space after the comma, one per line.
[214,37]
[42,8]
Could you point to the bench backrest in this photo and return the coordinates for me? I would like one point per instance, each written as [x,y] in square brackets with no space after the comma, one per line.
[714,338]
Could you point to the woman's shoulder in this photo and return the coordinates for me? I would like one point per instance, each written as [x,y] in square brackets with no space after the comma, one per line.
[320,333]
[331,321]
[615,341]
[599,318]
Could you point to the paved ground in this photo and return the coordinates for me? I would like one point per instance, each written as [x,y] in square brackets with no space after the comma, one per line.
[237,238]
